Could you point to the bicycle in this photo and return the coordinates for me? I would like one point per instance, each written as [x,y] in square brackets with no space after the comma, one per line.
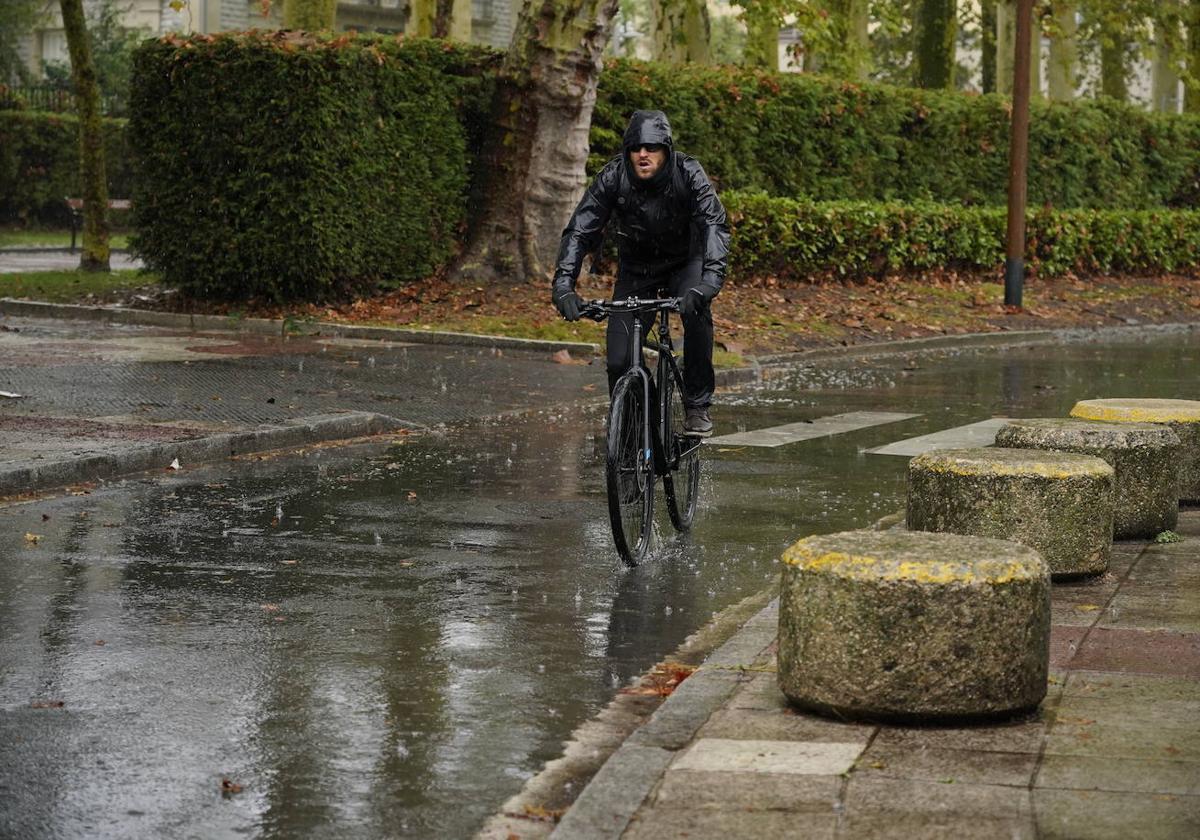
[646,436]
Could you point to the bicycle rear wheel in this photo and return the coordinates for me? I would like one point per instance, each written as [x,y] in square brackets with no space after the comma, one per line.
[629,471]
[681,482]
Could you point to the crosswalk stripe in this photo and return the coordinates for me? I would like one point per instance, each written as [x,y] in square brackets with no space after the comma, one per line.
[821,427]
[982,433]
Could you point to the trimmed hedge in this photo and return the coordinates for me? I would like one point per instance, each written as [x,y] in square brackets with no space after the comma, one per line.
[806,136]
[298,167]
[786,237]
[39,164]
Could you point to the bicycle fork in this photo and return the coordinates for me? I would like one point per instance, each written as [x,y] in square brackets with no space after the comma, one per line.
[647,415]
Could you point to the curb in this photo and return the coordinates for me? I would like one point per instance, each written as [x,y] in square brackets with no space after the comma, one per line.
[276,327]
[763,366]
[156,456]
[607,804]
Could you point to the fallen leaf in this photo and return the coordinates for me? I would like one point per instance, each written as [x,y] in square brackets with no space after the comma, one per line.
[270,608]
[411,495]
[47,704]
[1087,607]
[289,562]
[174,465]
[45,517]
[33,539]
[228,786]
[563,357]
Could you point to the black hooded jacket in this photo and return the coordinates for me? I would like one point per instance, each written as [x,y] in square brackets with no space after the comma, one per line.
[661,222]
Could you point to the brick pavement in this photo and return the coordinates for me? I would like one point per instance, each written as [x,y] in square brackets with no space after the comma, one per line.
[1113,751]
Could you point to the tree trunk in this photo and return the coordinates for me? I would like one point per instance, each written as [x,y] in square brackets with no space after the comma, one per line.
[94,256]
[682,31]
[935,29]
[1191,90]
[439,19]
[1006,20]
[762,38]
[1113,66]
[987,39]
[850,50]
[538,143]
[309,15]
[1165,84]
[1063,53]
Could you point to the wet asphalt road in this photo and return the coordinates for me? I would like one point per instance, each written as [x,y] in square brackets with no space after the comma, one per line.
[386,640]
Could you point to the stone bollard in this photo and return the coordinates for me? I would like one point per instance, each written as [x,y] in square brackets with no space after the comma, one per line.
[1182,416]
[1144,456]
[903,625]
[1059,503]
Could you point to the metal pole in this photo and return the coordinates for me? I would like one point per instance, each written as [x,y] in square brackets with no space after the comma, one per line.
[1018,159]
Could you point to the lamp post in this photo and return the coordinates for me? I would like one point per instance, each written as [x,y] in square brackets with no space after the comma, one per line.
[1018,160]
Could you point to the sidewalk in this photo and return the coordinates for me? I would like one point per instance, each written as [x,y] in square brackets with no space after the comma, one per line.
[89,400]
[1113,752]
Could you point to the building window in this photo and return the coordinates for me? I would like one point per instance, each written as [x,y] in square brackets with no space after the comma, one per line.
[54,46]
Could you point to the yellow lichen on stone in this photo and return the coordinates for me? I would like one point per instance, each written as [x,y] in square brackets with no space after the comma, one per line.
[813,558]
[1138,411]
[1056,469]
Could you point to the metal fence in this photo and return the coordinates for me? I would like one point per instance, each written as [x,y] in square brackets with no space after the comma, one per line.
[54,98]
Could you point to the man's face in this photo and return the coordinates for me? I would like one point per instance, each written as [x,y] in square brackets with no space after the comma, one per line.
[647,160]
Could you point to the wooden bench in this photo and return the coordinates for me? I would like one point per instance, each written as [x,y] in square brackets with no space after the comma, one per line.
[75,205]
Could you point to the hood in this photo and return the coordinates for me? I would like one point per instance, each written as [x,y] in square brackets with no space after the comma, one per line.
[646,128]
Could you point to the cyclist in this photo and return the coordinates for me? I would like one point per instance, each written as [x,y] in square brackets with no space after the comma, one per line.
[672,234]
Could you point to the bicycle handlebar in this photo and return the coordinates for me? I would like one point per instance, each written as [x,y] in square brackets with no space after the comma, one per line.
[598,310]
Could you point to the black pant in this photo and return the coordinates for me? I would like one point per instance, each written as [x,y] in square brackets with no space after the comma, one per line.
[698,376]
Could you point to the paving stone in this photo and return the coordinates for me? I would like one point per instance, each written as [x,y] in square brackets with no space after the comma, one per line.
[937,765]
[1078,772]
[1129,650]
[940,827]
[1104,815]
[760,692]
[782,725]
[802,758]
[1024,735]
[905,796]
[660,823]
[1075,733]
[750,791]
[1173,611]
[1133,691]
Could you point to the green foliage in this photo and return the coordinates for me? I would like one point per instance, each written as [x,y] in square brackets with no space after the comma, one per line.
[805,136]
[784,237]
[17,17]
[1164,537]
[300,167]
[112,51]
[39,164]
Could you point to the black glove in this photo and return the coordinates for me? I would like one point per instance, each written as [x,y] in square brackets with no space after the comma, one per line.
[569,304]
[692,303]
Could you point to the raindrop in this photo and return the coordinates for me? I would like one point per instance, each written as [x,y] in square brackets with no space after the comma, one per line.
[667,610]
[370,361]
[541,669]
[401,750]
[378,539]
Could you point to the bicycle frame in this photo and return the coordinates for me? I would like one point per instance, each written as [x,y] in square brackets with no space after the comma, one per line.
[665,348]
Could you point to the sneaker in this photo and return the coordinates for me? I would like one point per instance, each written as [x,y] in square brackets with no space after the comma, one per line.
[697,422]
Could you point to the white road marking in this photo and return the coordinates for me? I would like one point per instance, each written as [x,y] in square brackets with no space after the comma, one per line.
[821,427]
[982,433]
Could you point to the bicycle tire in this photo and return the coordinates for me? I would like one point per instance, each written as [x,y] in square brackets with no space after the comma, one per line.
[681,482]
[629,473]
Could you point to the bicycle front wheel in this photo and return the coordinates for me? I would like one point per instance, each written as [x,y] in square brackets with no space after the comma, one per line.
[681,482]
[629,470]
